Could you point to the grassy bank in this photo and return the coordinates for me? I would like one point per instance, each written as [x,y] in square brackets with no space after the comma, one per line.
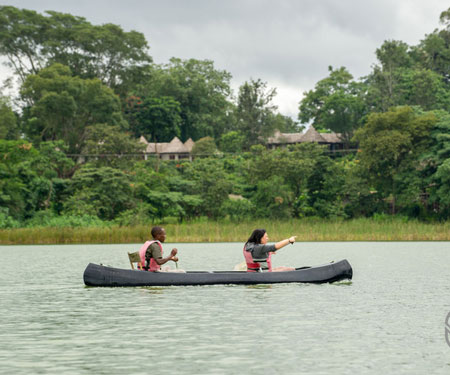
[305,230]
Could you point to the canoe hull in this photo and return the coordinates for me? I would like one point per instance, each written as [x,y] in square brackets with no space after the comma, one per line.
[98,275]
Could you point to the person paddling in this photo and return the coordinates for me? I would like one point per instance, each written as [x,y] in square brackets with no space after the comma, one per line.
[258,254]
[151,252]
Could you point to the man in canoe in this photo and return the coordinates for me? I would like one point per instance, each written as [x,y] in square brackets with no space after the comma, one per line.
[151,253]
[258,254]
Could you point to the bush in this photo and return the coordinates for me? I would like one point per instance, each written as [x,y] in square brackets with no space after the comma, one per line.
[238,209]
[48,218]
[7,221]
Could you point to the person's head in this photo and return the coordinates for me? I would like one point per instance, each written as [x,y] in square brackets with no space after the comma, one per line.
[259,236]
[159,234]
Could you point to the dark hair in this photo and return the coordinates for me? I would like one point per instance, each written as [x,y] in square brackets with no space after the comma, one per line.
[156,231]
[256,236]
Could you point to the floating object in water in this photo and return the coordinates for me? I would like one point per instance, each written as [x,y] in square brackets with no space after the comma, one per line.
[98,275]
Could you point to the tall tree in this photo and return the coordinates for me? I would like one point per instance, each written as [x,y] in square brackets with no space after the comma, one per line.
[436,163]
[403,77]
[255,113]
[158,119]
[436,47]
[31,41]
[390,144]
[393,57]
[62,106]
[201,90]
[8,121]
[336,103]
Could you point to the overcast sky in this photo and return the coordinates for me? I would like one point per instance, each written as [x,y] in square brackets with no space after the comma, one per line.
[287,43]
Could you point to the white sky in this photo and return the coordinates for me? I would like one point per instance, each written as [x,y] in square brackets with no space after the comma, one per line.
[287,43]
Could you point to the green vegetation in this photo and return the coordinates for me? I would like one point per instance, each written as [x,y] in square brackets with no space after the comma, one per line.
[383,228]
[70,156]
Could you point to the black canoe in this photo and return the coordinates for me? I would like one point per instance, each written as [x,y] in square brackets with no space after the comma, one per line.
[96,275]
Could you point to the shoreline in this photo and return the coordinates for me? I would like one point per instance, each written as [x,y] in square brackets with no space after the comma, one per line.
[306,230]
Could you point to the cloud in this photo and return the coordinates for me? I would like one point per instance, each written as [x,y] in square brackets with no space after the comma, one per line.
[288,43]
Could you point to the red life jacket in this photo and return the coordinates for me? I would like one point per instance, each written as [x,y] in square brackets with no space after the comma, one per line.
[153,265]
[252,265]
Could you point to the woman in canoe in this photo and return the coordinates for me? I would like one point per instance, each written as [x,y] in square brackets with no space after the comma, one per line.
[258,254]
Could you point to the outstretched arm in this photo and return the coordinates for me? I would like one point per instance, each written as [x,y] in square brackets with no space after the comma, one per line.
[285,242]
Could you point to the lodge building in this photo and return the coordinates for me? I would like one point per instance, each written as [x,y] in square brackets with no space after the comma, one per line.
[332,140]
[177,150]
[173,150]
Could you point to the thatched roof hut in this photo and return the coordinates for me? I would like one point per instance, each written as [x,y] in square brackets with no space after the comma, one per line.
[311,135]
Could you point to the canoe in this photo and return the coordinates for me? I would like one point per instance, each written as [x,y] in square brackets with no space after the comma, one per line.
[99,275]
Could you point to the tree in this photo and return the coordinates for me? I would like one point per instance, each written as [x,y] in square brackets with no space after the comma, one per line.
[31,41]
[61,106]
[204,147]
[435,162]
[232,142]
[360,197]
[414,86]
[104,192]
[443,192]
[8,121]
[390,143]
[110,146]
[307,180]
[285,124]
[201,90]
[157,119]
[436,48]
[424,88]
[272,198]
[15,176]
[53,162]
[300,163]
[394,58]
[210,183]
[31,179]
[255,112]
[336,103]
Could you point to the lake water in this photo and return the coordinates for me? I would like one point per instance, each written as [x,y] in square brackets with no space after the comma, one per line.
[388,320]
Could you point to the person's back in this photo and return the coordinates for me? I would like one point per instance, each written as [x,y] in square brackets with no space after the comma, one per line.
[258,257]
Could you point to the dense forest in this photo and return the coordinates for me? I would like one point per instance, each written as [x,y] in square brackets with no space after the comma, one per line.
[89,89]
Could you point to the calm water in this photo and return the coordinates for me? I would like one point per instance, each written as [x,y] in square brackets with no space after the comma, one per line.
[388,320]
